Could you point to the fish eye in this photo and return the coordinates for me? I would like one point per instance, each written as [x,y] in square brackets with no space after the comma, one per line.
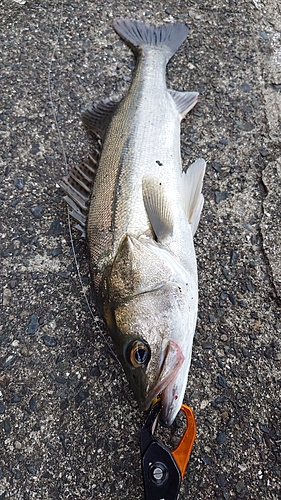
[139,353]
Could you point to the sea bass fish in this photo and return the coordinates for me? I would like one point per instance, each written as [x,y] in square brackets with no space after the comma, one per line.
[143,212]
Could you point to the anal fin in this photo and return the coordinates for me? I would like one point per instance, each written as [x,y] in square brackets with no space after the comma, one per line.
[184,101]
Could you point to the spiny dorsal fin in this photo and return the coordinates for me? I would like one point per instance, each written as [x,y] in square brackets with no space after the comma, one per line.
[98,116]
[184,101]
[77,186]
[157,207]
[138,35]
[192,187]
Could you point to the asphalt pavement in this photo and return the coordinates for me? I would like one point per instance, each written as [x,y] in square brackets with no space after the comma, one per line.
[69,422]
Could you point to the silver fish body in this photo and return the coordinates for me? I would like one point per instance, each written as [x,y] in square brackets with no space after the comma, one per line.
[142,216]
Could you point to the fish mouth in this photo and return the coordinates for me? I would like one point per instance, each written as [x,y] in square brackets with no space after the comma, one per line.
[168,410]
[173,360]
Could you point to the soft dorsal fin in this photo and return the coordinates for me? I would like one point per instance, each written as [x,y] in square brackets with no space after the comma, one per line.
[157,207]
[98,116]
[184,101]
[192,187]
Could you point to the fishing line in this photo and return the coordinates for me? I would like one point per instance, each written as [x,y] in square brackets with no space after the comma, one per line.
[56,44]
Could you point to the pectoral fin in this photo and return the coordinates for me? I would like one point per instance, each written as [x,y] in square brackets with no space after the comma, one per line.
[157,207]
[192,187]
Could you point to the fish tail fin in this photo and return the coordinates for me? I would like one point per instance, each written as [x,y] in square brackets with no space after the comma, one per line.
[193,197]
[139,35]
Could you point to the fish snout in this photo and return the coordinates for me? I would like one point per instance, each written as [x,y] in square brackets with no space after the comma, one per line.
[172,362]
[171,402]
[167,416]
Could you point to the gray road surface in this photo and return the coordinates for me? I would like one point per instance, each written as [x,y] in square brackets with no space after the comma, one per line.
[69,423]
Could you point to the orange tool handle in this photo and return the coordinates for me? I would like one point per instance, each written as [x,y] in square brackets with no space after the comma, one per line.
[182,452]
